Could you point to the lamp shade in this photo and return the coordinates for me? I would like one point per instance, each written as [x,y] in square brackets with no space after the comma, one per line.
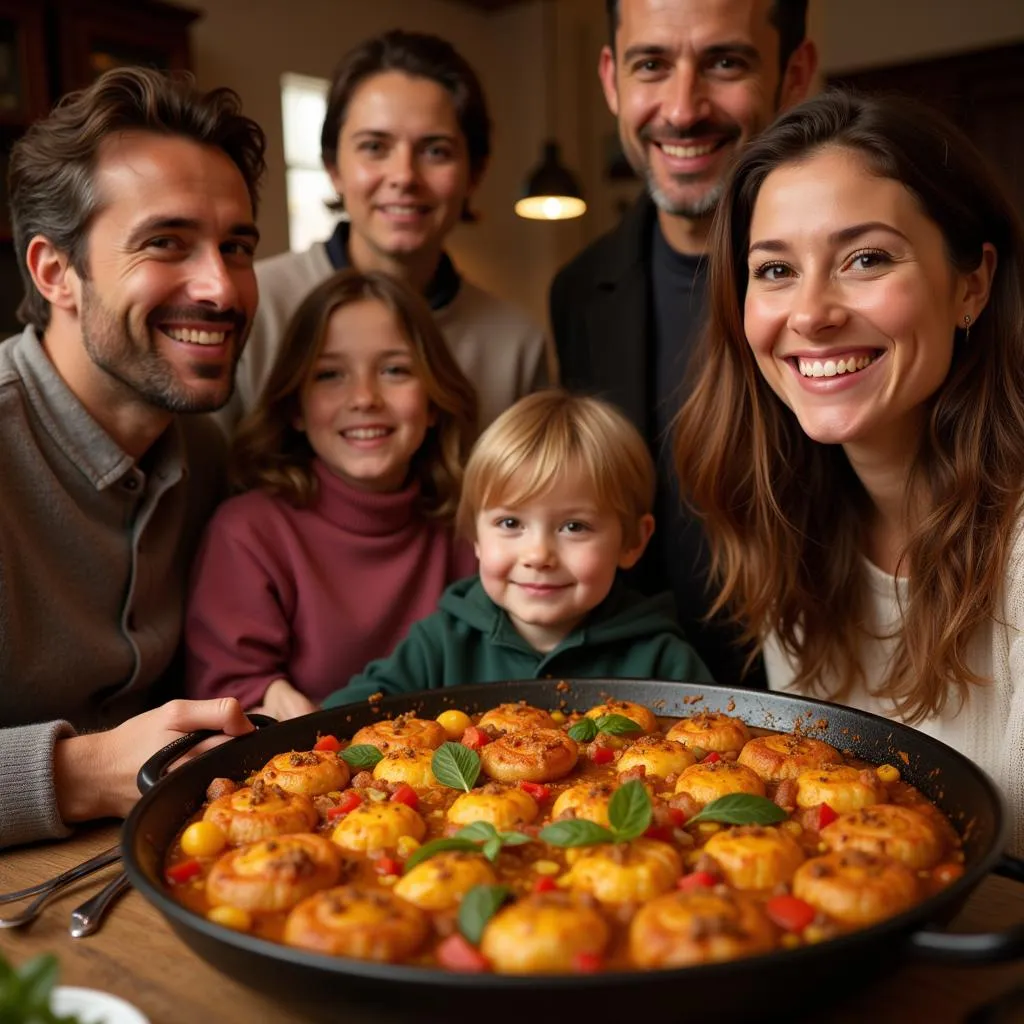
[552,191]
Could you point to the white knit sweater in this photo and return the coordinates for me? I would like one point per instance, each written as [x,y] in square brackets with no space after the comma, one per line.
[989,727]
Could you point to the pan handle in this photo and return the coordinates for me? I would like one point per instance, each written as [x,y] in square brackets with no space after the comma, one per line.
[979,948]
[1010,867]
[156,767]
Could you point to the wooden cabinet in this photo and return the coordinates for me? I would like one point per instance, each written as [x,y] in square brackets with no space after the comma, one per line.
[50,47]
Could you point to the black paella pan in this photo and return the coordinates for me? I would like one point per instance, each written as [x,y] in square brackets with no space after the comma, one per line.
[343,989]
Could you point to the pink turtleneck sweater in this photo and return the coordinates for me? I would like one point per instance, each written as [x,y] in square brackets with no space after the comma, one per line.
[311,595]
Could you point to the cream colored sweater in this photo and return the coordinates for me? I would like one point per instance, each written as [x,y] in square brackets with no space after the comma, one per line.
[503,353]
[989,727]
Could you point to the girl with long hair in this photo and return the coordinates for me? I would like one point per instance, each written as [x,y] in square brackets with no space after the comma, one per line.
[855,437]
[351,466]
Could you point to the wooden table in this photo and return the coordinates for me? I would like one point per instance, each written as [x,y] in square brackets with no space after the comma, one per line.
[136,955]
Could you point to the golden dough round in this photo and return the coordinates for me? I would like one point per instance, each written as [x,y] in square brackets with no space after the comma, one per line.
[369,924]
[403,731]
[407,764]
[538,755]
[440,882]
[696,927]
[378,826]
[274,874]
[514,718]
[888,830]
[543,935]
[786,755]
[310,772]
[260,812]
[658,757]
[506,808]
[707,782]
[643,716]
[710,731]
[625,872]
[843,788]
[755,856]
[856,888]
[587,800]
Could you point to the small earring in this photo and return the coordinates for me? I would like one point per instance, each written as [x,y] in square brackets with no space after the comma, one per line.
[967,327]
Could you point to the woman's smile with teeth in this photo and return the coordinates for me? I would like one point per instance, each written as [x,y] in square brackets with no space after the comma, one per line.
[366,433]
[194,337]
[833,367]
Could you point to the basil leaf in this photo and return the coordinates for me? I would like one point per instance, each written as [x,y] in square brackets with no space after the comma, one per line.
[478,831]
[741,809]
[36,978]
[428,850]
[629,811]
[617,725]
[576,832]
[361,756]
[583,731]
[514,838]
[455,766]
[491,848]
[478,906]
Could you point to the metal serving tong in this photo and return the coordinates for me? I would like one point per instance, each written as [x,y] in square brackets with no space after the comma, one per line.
[44,891]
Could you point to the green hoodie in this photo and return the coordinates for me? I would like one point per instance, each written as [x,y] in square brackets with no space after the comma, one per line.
[471,640]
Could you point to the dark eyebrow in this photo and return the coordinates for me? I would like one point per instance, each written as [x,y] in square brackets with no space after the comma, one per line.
[726,49]
[159,223]
[836,238]
[375,133]
[644,50]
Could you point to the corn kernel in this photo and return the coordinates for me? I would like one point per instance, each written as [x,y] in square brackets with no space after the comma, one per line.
[708,828]
[888,773]
[814,933]
[790,941]
[558,717]
[230,917]
[794,828]
[546,867]
[693,857]
[823,848]
[388,880]
[203,839]
[406,846]
[454,723]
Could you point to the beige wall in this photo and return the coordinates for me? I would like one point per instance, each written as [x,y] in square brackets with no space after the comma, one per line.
[248,44]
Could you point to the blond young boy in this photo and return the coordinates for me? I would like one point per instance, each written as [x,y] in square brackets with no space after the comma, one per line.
[556,498]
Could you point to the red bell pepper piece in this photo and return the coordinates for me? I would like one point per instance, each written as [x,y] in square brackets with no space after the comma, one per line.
[405,794]
[457,954]
[350,800]
[184,871]
[825,816]
[712,757]
[474,738]
[544,884]
[539,792]
[790,912]
[662,832]
[387,866]
[602,755]
[696,880]
[329,744]
[587,963]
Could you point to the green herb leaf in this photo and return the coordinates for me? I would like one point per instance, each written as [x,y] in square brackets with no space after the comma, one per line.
[629,811]
[491,848]
[617,725]
[514,838]
[576,832]
[583,731]
[741,809]
[435,846]
[478,831]
[361,756]
[455,766]
[478,906]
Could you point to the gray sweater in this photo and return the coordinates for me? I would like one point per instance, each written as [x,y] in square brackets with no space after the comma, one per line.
[94,555]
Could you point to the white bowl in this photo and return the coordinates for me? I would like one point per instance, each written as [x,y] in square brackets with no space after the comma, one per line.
[94,1007]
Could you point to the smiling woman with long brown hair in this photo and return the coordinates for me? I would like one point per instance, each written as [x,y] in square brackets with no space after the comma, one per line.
[855,436]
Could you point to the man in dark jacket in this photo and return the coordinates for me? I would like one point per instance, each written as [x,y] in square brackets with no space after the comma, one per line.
[690,82]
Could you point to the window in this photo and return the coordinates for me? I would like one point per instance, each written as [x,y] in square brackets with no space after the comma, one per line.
[303,105]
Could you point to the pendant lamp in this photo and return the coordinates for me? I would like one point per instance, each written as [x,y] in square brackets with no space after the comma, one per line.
[551,191]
